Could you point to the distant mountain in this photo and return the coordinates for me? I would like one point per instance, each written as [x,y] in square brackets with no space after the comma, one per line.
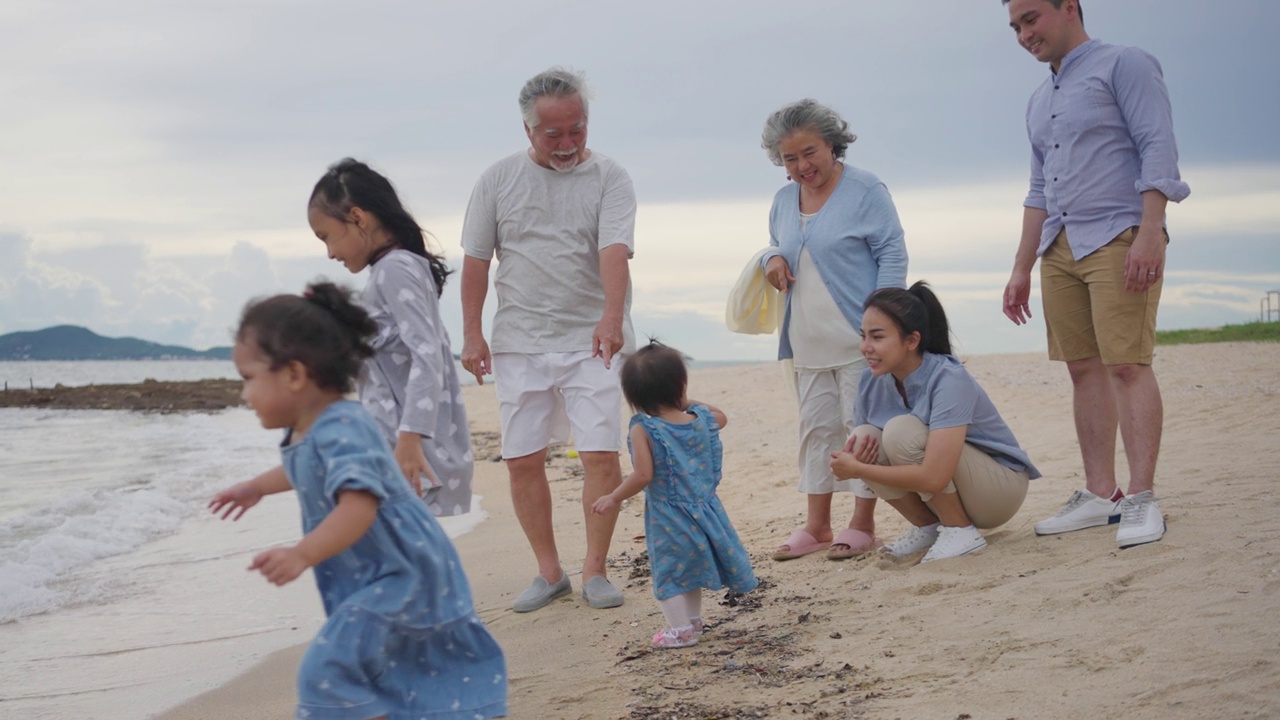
[71,342]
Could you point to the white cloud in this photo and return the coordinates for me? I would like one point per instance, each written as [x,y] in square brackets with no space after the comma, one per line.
[125,290]
[158,155]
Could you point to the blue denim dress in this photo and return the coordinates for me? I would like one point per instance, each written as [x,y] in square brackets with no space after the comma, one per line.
[402,639]
[690,540]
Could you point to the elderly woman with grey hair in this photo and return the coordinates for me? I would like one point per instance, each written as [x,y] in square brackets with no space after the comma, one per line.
[836,238]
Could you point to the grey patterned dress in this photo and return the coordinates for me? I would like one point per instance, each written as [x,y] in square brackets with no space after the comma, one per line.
[411,382]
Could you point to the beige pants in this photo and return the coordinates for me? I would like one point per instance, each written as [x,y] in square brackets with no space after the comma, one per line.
[990,492]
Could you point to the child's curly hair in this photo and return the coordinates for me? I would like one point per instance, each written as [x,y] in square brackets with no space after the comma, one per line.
[324,329]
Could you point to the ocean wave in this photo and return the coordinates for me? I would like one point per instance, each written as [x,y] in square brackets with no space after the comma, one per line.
[73,532]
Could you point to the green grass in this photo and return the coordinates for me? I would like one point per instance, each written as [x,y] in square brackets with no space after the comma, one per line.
[1256,331]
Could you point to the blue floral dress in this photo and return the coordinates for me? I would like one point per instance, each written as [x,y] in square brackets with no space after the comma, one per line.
[402,639]
[691,542]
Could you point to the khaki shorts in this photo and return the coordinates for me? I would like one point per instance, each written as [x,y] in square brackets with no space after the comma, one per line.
[542,396]
[1087,312]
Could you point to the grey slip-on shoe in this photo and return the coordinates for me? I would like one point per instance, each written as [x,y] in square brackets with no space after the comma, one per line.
[541,592]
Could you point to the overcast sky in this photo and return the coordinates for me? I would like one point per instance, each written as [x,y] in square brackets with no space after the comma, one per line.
[156,157]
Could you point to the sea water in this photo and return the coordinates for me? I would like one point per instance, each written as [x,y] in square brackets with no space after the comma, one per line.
[120,594]
[28,374]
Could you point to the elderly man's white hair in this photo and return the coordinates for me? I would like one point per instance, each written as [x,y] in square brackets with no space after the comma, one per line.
[557,82]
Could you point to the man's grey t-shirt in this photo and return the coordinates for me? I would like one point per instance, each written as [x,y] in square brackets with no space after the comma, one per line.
[546,229]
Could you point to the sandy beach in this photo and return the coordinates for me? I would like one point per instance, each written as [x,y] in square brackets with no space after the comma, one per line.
[1032,627]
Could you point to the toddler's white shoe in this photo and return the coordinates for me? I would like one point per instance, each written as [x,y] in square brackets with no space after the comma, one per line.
[676,637]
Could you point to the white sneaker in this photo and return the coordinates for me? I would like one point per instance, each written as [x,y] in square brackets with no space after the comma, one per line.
[1083,510]
[954,542]
[912,541]
[1140,520]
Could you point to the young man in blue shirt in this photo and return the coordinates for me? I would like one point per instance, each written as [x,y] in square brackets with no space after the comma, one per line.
[1104,164]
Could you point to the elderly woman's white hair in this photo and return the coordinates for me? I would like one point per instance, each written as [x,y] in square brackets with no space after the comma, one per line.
[807,114]
[556,82]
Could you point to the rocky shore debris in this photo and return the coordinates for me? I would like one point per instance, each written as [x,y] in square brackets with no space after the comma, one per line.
[146,396]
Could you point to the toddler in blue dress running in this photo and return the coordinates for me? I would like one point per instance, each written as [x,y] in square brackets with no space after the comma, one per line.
[676,455]
[402,638]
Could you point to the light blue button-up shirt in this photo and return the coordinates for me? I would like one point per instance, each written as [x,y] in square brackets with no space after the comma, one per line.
[1101,132]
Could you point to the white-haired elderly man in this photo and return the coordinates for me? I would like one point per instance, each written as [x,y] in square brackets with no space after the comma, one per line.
[560,219]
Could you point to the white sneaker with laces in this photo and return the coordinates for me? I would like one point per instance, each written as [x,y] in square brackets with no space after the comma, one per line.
[954,542]
[1083,510]
[913,541]
[1141,521]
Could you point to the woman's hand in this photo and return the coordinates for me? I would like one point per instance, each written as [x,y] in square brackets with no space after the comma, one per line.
[412,462]
[845,465]
[240,496]
[605,505]
[778,273]
[280,566]
[867,451]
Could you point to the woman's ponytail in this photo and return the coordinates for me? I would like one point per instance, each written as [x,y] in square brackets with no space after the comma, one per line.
[916,310]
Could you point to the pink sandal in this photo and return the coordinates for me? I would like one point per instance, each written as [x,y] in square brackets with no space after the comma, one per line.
[855,542]
[799,544]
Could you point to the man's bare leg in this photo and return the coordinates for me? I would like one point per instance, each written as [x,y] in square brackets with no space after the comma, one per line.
[603,475]
[531,497]
[1094,405]
[1141,412]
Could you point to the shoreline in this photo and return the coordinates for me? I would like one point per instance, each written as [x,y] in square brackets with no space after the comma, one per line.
[1061,626]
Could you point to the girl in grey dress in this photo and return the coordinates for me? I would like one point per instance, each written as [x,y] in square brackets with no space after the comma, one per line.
[410,385]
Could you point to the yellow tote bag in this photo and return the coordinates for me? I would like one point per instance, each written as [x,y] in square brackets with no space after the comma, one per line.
[754,307]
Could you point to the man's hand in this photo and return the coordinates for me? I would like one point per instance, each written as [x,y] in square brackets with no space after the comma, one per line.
[778,273]
[606,340]
[475,357]
[1017,298]
[1144,264]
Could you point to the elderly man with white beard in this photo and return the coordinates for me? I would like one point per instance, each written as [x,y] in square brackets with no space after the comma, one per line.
[560,219]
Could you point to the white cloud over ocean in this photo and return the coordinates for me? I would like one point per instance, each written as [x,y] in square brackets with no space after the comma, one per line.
[961,239]
[155,158]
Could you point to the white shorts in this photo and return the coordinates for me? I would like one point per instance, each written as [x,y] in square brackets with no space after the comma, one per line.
[542,396]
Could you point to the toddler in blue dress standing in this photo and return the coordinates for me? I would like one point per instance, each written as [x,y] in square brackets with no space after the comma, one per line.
[676,455]
[402,638]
